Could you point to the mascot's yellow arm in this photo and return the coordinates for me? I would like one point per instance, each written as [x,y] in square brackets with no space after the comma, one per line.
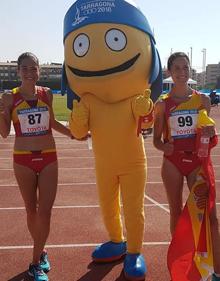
[78,121]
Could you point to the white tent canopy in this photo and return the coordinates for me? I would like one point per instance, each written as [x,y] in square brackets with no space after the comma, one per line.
[169,80]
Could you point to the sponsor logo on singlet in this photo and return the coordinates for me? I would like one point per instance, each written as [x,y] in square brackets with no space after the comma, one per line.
[34,121]
[183,123]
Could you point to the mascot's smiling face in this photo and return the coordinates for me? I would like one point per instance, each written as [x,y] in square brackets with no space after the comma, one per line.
[110,61]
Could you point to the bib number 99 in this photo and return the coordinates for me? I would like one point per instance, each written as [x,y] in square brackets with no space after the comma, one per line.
[185,121]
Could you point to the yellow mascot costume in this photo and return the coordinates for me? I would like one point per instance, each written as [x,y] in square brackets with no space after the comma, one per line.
[111,64]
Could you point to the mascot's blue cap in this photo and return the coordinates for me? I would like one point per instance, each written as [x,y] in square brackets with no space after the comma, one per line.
[85,12]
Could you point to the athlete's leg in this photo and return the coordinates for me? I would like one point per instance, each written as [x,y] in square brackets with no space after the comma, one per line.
[132,186]
[47,184]
[27,182]
[201,190]
[173,182]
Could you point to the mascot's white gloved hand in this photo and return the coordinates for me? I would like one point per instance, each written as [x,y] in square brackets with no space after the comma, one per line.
[143,105]
[80,114]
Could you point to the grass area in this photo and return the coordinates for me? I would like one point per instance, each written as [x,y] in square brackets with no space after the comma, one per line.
[60,109]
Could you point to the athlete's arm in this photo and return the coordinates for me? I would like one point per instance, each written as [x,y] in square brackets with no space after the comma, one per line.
[159,124]
[5,114]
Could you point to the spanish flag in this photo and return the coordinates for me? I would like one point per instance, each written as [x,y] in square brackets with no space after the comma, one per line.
[190,255]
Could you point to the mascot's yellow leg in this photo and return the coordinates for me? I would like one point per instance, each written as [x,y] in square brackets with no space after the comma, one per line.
[132,186]
[132,191]
[109,197]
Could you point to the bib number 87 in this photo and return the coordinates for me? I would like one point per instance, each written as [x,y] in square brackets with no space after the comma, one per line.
[185,121]
[34,118]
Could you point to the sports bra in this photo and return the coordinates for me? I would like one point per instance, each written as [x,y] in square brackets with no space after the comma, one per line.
[181,121]
[31,118]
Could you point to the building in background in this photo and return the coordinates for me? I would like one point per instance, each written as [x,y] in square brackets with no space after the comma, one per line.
[212,74]
[201,79]
[50,72]
[50,75]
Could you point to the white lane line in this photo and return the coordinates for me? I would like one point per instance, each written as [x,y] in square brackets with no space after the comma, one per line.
[69,207]
[160,156]
[81,206]
[61,168]
[157,203]
[54,207]
[83,183]
[159,243]
[60,184]
[91,168]
[70,157]
[76,183]
[59,150]
[92,157]
[156,243]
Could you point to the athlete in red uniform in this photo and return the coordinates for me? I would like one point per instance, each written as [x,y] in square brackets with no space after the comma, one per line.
[177,131]
[29,107]
[175,135]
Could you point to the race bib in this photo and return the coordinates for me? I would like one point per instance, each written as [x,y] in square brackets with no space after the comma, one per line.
[183,123]
[34,121]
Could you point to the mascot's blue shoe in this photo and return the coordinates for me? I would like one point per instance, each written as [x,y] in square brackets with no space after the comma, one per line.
[134,267]
[215,278]
[109,252]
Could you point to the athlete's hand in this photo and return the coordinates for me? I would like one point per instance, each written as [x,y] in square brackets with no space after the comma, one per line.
[208,131]
[201,193]
[168,148]
[84,138]
[143,105]
[80,113]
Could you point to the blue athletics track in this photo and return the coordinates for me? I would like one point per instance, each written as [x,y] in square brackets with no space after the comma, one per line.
[76,226]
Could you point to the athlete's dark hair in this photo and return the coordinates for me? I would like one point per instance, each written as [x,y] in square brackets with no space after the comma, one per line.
[27,55]
[174,56]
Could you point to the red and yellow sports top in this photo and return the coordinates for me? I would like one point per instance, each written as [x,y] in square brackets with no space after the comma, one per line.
[181,121]
[31,118]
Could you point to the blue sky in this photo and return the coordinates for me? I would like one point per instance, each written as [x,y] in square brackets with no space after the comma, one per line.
[37,25]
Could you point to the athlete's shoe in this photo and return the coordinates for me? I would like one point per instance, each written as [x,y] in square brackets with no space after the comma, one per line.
[44,262]
[37,272]
[215,278]
[109,252]
[134,267]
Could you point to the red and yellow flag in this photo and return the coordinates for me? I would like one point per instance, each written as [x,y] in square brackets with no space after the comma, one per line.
[190,255]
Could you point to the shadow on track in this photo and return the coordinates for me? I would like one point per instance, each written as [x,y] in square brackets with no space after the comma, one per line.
[21,277]
[99,271]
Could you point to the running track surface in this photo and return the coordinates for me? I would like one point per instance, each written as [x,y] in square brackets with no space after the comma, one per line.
[76,226]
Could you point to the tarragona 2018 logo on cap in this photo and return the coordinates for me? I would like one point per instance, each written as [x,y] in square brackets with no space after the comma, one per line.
[92,7]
